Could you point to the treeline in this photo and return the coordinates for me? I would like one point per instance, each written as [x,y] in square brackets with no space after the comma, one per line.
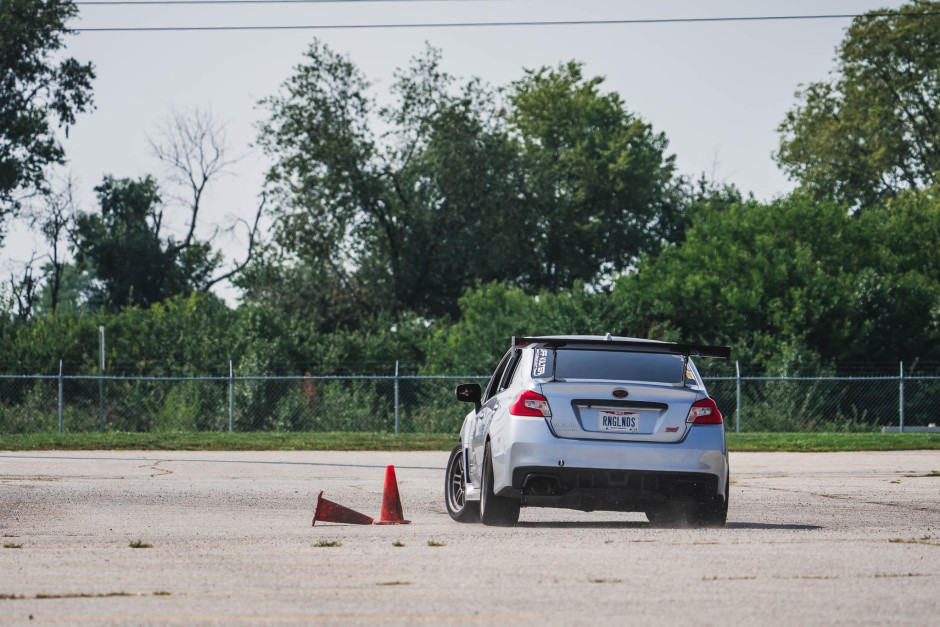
[795,285]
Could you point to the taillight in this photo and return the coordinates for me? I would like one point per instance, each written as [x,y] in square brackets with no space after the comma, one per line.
[704,412]
[530,403]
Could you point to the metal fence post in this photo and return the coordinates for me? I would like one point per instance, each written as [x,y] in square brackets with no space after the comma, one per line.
[231,397]
[100,378]
[60,397]
[901,399]
[737,369]
[396,397]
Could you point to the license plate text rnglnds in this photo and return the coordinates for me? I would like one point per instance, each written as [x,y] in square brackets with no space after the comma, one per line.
[615,420]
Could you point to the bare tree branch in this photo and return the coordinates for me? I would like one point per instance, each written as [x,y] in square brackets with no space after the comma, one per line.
[252,239]
[54,220]
[193,147]
[25,290]
[60,213]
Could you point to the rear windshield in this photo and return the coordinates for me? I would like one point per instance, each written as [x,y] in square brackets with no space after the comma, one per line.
[619,366]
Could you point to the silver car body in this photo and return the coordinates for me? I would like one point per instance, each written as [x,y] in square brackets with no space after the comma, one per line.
[567,459]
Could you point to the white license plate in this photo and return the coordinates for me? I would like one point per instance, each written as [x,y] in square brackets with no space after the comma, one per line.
[615,420]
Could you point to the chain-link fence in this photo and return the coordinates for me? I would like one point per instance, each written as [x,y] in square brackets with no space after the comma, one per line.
[419,404]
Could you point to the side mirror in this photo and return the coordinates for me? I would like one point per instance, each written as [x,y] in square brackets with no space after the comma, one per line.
[470,393]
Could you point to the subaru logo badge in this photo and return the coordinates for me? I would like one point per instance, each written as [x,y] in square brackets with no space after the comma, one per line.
[620,393]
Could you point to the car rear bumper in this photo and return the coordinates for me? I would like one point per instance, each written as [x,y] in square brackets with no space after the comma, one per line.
[621,490]
[696,466]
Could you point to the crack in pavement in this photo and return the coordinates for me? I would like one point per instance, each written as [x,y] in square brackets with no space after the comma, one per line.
[162,472]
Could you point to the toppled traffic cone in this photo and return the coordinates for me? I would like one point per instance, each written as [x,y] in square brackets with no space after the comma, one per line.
[328,511]
[391,502]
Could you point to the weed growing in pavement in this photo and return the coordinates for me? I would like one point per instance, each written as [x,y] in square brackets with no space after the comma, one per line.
[78,595]
[434,543]
[327,543]
[394,583]
[12,546]
[929,540]
[605,580]
[608,541]
[398,543]
[162,593]
[139,544]
[84,595]
[932,473]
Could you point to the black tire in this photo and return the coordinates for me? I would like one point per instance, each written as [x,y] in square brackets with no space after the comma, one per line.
[713,513]
[495,510]
[455,490]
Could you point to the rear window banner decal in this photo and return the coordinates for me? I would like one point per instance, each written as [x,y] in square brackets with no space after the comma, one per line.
[540,363]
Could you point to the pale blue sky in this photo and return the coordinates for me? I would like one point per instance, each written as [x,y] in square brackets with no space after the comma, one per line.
[718,90]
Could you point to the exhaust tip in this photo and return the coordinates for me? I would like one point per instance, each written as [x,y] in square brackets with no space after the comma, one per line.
[541,485]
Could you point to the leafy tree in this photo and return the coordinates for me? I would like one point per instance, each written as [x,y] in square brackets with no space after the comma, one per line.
[801,273]
[126,254]
[599,187]
[793,284]
[37,93]
[873,129]
[462,186]
[391,220]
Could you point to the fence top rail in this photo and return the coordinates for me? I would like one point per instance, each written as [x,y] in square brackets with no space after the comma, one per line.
[389,377]
[314,377]
[826,378]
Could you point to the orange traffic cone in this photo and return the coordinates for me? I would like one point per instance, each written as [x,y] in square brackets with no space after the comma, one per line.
[328,511]
[391,502]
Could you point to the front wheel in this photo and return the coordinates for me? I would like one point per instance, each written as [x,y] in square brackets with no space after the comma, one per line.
[495,510]
[455,490]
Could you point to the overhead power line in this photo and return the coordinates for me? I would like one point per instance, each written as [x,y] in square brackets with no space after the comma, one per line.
[524,23]
[106,3]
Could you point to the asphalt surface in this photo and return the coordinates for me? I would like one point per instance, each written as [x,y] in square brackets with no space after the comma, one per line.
[815,538]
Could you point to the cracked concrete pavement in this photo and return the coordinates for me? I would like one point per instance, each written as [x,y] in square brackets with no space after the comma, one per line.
[813,538]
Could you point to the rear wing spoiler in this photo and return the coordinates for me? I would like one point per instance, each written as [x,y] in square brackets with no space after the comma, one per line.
[639,346]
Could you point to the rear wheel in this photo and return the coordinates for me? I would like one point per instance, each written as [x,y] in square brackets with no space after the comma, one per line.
[455,490]
[713,513]
[495,510]
[710,513]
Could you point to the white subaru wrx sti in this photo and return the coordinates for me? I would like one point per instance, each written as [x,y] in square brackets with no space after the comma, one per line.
[592,423]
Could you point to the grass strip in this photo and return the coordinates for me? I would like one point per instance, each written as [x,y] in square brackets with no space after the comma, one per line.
[357,441]
[832,442]
[204,441]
